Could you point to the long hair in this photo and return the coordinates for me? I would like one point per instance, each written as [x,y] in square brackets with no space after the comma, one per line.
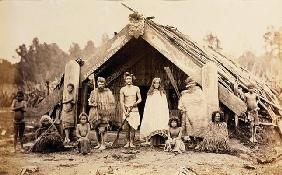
[161,88]
[221,116]
[178,124]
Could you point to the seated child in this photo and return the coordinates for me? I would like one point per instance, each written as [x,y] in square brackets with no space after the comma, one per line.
[48,138]
[174,142]
[82,132]
[216,137]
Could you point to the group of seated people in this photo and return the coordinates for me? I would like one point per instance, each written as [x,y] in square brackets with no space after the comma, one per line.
[215,140]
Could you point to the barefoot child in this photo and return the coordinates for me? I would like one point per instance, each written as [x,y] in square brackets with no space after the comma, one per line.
[216,137]
[82,132]
[19,107]
[174,142]
[68,112]
[251,99]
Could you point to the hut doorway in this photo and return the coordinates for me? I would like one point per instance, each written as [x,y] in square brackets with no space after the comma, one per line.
[143,90]
[145,62]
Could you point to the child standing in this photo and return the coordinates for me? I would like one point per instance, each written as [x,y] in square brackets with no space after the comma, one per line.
[68,112]
[19,107]
[174,142]
[251,99]
[82,132]
[216,138]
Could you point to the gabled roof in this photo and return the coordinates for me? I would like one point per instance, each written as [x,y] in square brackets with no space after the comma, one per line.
[189,57]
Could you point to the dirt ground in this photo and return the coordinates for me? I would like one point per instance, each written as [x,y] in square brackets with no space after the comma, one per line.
[140,161]
[256,159]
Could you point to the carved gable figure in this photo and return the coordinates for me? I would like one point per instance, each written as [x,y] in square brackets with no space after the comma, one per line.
[136,25]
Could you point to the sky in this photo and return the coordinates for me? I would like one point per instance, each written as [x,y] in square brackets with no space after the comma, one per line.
[239,24]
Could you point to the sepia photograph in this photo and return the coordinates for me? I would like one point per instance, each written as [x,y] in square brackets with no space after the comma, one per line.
[141,87]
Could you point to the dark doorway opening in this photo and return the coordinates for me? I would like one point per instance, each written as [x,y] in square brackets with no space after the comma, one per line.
[143,91]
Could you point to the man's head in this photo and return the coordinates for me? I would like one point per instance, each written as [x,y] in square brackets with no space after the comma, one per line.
[128,77]
[70,87]
[101,82]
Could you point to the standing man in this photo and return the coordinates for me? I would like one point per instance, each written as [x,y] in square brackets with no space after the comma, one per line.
[130,97]
[102,104]
[19,107]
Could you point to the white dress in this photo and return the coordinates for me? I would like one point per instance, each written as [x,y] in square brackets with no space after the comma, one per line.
[156,115]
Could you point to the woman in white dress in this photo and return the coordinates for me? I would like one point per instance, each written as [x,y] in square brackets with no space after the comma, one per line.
[156,112]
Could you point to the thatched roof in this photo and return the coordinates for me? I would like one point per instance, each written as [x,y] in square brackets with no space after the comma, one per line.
[190,58]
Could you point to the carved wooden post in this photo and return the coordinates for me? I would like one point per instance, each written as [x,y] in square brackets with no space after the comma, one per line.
[84,96]
[210,86]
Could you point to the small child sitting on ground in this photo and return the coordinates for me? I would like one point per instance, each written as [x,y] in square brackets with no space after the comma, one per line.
[174,142]
[216,138]
[82,132]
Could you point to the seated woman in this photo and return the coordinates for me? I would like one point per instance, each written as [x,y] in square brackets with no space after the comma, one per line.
[82,132]
[48,138]
[216,137]
[174,142]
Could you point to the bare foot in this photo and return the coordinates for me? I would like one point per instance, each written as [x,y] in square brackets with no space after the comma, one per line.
[97,147]
[127,145]
[132,145]
[102,147]
[66,141]
[253,140]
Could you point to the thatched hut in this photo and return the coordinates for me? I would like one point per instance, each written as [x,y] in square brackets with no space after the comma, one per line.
[144,48]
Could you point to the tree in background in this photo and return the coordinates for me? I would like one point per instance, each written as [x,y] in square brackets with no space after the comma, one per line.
[268,65]
[40,61]
[273,41]
[105,38]
[89,48]
[75,51]
[273,52]
[213,42]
